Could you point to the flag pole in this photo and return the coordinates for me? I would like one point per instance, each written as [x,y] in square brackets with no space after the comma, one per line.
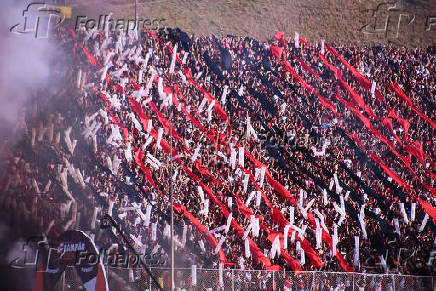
[171,199]
[136,12]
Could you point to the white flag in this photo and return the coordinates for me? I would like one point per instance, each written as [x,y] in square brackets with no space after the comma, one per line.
[206,207]
[293,236]
[383,262]
[258,198]
[322,46]
[356,251]
[153,231]
[338,187]
[256,173]
[247,248]
[229,202]
[140,77]
[403,211]
[201,193]
[201,243]
[185,57]
[412,211]
[335,239]
[229,222]
[241,156]
[224,96]
[202,104]
[275,247]
[149,125]
[233,158]
[250,197]
[291,214]
[147,215]
[254,225]
[297,40]
[159,137]
[423,223]
[220,243]
[397,225]
[318,234]
[241,263]
[173,59]
[241,90]
[285,236]
[147,58]
[160,89]
[149,84]
[196,153]
[245,182]
[262,176]
[211,105]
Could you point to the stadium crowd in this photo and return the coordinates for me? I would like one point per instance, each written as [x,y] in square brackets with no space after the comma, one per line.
[272,163]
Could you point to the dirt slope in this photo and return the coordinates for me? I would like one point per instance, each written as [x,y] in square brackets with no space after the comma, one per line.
[402,22]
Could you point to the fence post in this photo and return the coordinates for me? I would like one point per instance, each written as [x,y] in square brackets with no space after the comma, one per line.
[63,280]
[393,281]
[107,273]
[274,281]
[233,280]
[284,278]
[352,281]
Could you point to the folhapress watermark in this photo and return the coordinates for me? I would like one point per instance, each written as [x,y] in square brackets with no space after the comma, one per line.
[37,250]
[105,21]
[39,18]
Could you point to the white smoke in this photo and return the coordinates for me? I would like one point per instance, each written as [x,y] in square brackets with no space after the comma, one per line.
[24,62]
[25,66]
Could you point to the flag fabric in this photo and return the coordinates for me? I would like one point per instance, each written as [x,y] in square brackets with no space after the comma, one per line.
[276,51]
[280,36]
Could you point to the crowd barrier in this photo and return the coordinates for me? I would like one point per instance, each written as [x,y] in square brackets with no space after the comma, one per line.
[226,279]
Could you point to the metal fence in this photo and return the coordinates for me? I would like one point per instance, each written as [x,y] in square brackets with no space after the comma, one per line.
[209,279]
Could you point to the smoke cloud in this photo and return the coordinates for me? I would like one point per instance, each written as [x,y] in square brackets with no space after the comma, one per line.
[25,66]
[24,63]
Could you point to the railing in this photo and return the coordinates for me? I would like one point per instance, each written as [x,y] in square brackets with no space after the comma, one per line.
[213,279]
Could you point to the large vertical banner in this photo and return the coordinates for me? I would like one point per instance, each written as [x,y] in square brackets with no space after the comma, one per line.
[76,249]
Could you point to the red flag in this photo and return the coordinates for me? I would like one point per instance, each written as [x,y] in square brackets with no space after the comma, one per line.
[147,173]
[279,188]
[297,77]
[280,219]
[91,58]
[210,238]
[306,67]
[404,123]
[430,210]
[73,34]
[327,103]
[276,51]
[280,36]
[390,173]
[388,123]
[415,149]
[119,89]
[409,102]
[135,85]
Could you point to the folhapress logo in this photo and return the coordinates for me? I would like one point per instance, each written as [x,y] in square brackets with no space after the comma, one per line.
[38,18]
